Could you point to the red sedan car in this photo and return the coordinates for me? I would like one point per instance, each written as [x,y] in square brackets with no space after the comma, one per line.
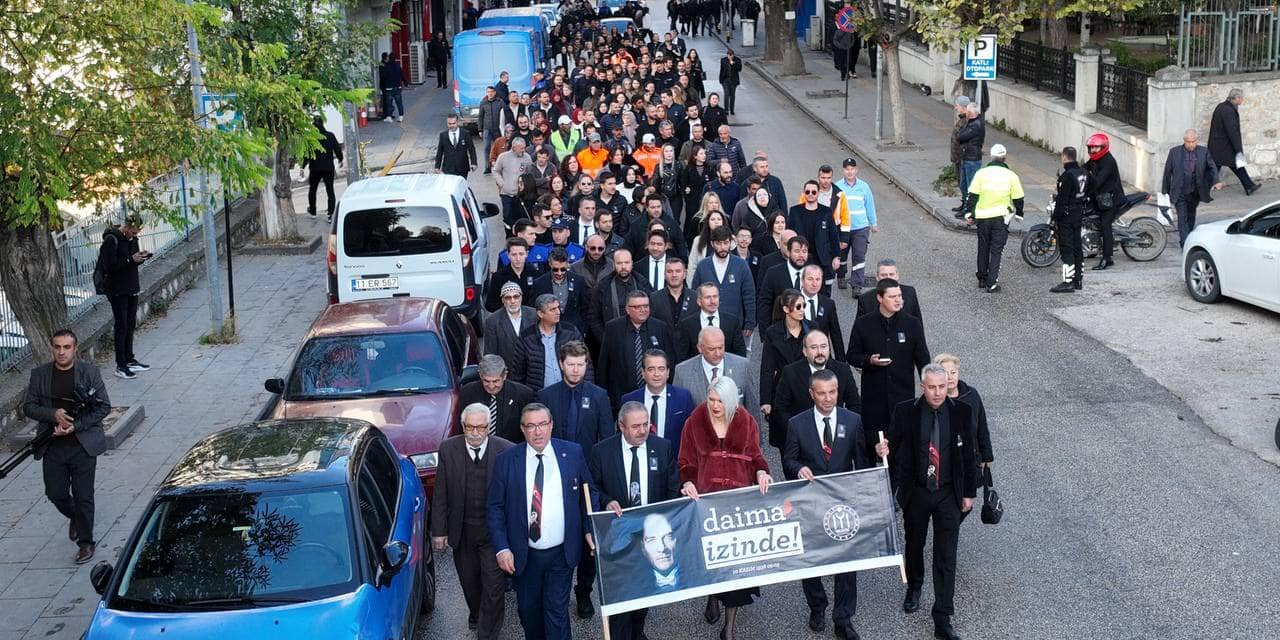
[397,363]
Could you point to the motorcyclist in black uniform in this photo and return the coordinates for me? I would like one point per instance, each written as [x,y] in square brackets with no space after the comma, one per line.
[1108,194]
[1074,189]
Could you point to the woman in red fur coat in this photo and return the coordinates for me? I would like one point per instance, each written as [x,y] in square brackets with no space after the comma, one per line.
[719,450]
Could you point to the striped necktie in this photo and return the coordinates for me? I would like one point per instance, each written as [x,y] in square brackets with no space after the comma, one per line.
[493,415]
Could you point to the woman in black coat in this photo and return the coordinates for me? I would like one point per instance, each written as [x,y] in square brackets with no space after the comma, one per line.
[1108,192]
[693,179]
[782,343]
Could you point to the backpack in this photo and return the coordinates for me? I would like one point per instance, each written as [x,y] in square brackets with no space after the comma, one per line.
[100,278]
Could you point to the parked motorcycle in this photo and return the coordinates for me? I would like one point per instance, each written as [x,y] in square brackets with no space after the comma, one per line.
[1143,238]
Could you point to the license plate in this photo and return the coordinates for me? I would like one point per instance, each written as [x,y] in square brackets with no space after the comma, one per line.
[374,284]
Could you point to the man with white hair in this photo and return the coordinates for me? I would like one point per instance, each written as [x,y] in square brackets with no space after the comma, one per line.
[1225,144]
[995,198]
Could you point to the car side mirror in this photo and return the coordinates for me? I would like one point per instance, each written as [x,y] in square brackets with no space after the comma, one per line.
[100,576]
[490,210]
[470,373]
[274,385]
[394,555]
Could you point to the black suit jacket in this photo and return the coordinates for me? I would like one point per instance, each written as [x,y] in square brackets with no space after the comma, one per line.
[575,311]
[644,268]
[692,324]
[500,337]
[670,311]
[904,441]
[828,321]
[792,396]
[511,401]
[767,261]
[776,280]
[1174,174]
[610,472]
[617,368]
[803,447]
[900,338]
[451,483]
[455,159]
[868,303]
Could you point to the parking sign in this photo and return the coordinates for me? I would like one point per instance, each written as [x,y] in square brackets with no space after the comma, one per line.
[980,58]
[219,111]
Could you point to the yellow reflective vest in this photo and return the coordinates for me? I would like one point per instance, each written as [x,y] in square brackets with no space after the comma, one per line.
[996,187]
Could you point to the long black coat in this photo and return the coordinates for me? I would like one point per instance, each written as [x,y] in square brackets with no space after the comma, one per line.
[617,367]
[867,302]
[900,338]
[1224,134]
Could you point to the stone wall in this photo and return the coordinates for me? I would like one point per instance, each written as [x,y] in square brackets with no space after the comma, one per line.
[1259,123]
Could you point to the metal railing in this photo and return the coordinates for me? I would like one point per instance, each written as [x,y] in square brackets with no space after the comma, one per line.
[1122,94]
[78,246]
[1046,69]
[1229,36]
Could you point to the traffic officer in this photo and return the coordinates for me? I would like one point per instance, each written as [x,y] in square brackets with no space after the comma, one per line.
[995,198]
[1074,187]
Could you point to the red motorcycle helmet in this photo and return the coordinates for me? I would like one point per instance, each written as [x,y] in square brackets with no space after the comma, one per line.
[1098,145]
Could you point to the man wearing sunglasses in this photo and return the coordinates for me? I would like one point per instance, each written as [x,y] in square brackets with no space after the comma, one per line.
[568,288]
[813,221]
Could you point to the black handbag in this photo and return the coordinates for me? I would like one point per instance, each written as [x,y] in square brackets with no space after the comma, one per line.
[992,506]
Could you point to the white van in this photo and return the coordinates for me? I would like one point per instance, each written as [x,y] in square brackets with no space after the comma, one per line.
[415,234]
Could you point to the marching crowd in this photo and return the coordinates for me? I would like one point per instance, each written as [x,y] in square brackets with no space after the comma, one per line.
[647,255]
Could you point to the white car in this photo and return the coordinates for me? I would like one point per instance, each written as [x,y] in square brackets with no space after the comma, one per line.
[1236,258]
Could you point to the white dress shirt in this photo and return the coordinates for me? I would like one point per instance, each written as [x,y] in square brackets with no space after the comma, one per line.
[662,407]
[661,265]
[642,453]
[715,319]
[588,229]
[552,497]
[817,419]
[706,369]
[792,273]
[721,266]
[471,451]
[811,306]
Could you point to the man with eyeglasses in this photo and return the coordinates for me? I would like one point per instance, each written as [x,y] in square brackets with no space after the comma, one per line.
[537,520]
[637,467]
[535,363]
[813,221]
[458,517]
[583,415]
[502,328]
[624,343]
[569,289]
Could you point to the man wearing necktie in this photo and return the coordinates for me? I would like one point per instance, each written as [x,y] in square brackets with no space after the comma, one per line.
[635,467]
[537,520]
[458,518]
[709,314]
[455,153]
[626,339]
[935,473]
[668,405]
[828,440]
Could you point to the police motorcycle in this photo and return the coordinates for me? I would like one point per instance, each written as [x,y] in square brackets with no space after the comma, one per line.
[1142,238]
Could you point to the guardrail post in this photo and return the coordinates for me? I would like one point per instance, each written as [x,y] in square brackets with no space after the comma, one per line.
[1087,63]
[1171,99]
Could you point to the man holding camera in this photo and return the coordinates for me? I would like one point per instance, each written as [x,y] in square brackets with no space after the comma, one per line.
[68,400]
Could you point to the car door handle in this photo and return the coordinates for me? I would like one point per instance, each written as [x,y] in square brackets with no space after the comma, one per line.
[1268,256]
[417,504]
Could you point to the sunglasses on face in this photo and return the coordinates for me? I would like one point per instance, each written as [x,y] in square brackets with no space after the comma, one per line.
[559,269]
[810,192]
[798,307]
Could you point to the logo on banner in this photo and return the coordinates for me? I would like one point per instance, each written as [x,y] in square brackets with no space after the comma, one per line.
[841,523]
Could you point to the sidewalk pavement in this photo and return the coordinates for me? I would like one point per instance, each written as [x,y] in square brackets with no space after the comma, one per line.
[820,94]
[191,391]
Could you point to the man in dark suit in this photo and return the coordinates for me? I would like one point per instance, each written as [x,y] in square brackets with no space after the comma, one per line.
[811,219]
[455,154]
[626,339]
[56,392]
[1225,145]
[889,347]
[792,396]
[653,266]
[582,415]
[535,364]
[935,476]
[465,465]
[503,398]
[772,258]
[502,329]
[825,440]
[708,314]
[537,521]
[633,468]
[668,405]
[1189,175]
[819,308]
[780,278]
[887,269]
[569,288]
[609,299]
[673,300]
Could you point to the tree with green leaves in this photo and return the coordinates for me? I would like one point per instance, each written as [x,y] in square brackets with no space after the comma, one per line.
[780,43]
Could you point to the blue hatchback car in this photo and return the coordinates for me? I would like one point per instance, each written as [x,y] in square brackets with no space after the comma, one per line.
[305,528]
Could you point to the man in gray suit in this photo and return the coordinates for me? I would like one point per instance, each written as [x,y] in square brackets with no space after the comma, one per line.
[69,401]
[696,373]
[501,329]
[1189,175]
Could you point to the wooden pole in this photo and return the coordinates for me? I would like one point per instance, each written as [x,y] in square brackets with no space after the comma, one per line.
[604,620]
[902,566]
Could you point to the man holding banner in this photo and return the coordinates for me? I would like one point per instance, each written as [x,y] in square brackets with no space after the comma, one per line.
[825,440]
[936,475]
[634,468]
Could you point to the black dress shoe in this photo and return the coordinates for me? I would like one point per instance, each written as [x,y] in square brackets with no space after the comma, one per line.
[944,631]
[1103,264]
[1249,192]
[1077,285]
[1063,287]
[712,613]
[817,621]
[958,208]
[911,603]
[845,631]
[585,608]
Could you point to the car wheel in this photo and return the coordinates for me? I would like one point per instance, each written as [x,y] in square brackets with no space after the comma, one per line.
[428,600]
[1202,278]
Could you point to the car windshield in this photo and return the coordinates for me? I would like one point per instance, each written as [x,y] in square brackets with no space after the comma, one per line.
[397,231]
[240,549]
[371,365]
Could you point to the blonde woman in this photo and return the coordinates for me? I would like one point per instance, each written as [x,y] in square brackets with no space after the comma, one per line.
[958,390]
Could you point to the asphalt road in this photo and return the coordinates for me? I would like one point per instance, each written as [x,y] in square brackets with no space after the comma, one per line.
[1127,517]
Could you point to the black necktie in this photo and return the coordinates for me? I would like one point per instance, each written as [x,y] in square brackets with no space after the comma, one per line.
[797,280]
[715,373]
[635,477]
[935,456]
[653,415]
[826,437]
[711,321]
[655,275]
[493,415]
[535,518]
[813,309]
[477,456]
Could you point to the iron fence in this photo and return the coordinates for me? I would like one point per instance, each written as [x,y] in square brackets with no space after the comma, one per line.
[1229,36]
[1045,68]
[1122,94]
[78,246]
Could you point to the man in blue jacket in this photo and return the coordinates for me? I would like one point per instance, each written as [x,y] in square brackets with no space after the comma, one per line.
[537,520]
[668,406]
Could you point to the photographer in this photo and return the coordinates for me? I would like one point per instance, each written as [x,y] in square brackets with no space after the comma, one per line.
[68,399]
[119,259]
